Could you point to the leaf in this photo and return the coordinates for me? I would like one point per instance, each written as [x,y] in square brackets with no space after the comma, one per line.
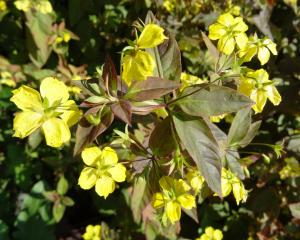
[39,31]
[161,140]
[87,133]
[234,165]
[295,209]
[62,186]
[167,55]
[35,139]
[137,202]
[239,126]
[67,201]
[192,213]
[110,76]
[252,131]
[211,47]
[58,211]
[202,146]
[151,88]
[122,110]
[211,100]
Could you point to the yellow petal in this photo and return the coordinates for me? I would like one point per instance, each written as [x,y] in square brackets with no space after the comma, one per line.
[26,123]
[158,200]
[273,94]
[226,19]
[226,187]
[118,173]
[87,178]
[26,98]
[216,31]
[271,45]
[91,155]
[209,231]
[70,113]
[109,156]
[166,183]
[151,36]
[173,211]
[23,5]
[246,86]
[43,7]
[248,53]
[180,187]
[56,132]
[137,66]
[104,186]
[54,91]
[263,55]
[218,235]
[260,97]
[239,192]
[239,25]
[187,201]
[226,44]
[241,40]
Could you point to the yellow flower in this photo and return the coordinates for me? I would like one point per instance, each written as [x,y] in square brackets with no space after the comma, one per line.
[211,234]
[92,232]
[7,79]
[261,47]
[189,80]
[230,183]
[50,109]
[102,170]
[138,64]
[174,195]
[229,31]
[259,88]
[169,5]
[3,6]
[43,6]
[218,118]
[195,180]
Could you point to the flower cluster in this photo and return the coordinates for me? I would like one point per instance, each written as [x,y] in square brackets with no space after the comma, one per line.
[92,232]
[231,34]
[43,6]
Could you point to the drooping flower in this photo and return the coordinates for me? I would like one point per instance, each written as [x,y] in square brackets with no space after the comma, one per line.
[92,232]
[51,110]
[174,195]
[230,183]
[229,31]
[43,6]
[138,64]
[261,47]
[102,170]
[211,234]
[195,180]
[259,88]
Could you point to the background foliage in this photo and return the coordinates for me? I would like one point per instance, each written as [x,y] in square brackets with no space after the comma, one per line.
[39,195]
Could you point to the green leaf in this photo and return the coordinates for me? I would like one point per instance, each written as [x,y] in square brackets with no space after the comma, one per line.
[167,55]
[137,200]
[295,209]
[211,47]
[198,139]
[234,165]
[151,88]
[211,100]
[239,126]
[35,139]
[4,230]
[62,186]
[161,140]
[58,211]
[67,201]
[252,131]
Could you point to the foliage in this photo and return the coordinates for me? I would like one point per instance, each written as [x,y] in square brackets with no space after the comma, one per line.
[166,102]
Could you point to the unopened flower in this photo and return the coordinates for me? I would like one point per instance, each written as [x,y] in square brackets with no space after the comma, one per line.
[102,170]
[174,195]
[50,110]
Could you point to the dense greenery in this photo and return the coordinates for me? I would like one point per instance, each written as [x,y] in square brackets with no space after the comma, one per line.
[181,117]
